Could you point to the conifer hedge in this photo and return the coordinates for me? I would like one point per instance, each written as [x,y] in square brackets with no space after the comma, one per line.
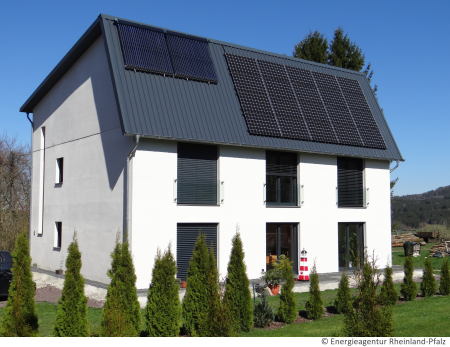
[343,301]
[237,293]
[121,314]
[428,285]
[287,311]
[388,295]
[20,315]
[408,288]
[163,310]
[314,305]
[71,317]
[444,286]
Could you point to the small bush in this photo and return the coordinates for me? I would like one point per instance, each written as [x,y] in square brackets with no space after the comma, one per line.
[408,287]
[388,295]
[428,285]
[314,305]
[343,301]
[20,315]
[163,310]
[287,312]
[444,287]
[263,313]
[71,317]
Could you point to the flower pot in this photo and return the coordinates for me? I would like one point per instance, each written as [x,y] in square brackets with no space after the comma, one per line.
[183,284]
[275,289]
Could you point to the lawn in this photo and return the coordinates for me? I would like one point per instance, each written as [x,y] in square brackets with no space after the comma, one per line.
[398,257]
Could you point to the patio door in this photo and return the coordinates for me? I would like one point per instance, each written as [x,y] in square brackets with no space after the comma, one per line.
[281,239]
[351,245]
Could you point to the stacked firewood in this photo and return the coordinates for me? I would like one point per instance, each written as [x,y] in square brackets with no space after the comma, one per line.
[438,247]
[399,240]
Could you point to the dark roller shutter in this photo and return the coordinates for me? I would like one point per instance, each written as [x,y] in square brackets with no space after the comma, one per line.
[187,234]
[350,182]
[197,174]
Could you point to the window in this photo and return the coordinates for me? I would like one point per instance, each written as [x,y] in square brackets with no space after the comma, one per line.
[58,235]
[281,178]
[351,244]
[41,182]
[281,239]
[197,174]
[59,170]
[350,182]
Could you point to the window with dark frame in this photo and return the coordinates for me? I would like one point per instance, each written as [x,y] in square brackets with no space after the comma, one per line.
[197,174]
[350,245]
[281,239]
[350,182]
[58,235]
[281,178]
[59,170]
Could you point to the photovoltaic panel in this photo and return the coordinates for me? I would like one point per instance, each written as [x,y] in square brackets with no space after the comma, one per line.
[144,50]
[283,100]
[361,113]
[337,109]
[311,105]
[191,59]
[252,96]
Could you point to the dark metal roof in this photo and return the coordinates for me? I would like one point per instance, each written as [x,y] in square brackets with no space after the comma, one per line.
[171,108]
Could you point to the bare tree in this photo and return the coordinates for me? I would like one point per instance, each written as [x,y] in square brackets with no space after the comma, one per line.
[15,173]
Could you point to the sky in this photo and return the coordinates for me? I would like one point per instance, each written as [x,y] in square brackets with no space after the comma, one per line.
[405,41]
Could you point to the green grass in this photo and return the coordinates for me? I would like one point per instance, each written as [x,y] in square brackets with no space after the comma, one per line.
[398,257]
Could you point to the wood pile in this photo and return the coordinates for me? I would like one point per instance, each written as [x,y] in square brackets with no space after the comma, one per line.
[399,240]
[438,247]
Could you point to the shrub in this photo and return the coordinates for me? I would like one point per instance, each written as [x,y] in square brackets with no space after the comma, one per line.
[272,277]
[195,305]
[287,311]
[444,287]
[314,305]
[263,313]
[343,301]
[428,285]
[163,310]
[388,295]
[369,318]
[119,311]
[20,315]
[237,293]
[71,317]
[408,288]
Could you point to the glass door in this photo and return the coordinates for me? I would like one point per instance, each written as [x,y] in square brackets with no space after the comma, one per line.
[281,239]
[350,245]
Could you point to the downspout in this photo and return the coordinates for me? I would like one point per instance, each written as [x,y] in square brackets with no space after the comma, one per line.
[396,166]
[129,184]
[31,178]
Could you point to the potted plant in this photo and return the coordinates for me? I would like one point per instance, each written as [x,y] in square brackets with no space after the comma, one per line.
[273,279]
[183,284]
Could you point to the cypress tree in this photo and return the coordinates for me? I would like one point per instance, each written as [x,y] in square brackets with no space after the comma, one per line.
[444,287]
[314,305]
[287,311]
[71,317]
[163,310]
[237,292]
[117,311]
[428,285]
[408,287]
[343,301]
[195,305]
[388,295]
[20,315]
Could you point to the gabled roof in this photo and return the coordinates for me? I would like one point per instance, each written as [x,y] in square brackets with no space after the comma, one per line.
[161,107]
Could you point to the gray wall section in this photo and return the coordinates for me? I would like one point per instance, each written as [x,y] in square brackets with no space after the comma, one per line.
[83,126]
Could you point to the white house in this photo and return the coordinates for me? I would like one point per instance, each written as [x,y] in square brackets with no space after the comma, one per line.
[162,134]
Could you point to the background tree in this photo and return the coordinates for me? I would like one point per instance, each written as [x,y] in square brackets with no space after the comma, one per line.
[20,315]
[388,295]
[15,173]
[313,47]
[195,306]
[343,301]
[314,305]
[117,311]
[287,311]
[408,287]
[237,293]
[444,286]
[344,53]
[428,284]
[71,317]
[163,310]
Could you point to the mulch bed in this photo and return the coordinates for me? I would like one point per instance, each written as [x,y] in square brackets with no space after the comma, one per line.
[52,294]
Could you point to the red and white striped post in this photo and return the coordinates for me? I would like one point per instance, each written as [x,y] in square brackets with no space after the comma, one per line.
[304,272]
